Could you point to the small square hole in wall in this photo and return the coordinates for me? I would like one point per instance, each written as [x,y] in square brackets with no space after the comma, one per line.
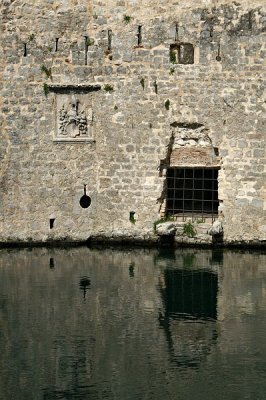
[52,221]
[216,151]
[182,53]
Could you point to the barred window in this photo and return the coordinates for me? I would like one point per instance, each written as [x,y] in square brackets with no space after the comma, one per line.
[192,192]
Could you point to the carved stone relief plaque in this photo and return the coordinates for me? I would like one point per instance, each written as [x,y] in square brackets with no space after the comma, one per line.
[73,113]
[73,117]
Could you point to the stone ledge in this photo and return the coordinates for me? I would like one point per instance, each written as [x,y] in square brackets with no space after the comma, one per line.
[74,140]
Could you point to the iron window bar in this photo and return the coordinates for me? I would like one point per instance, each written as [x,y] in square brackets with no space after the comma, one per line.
[192,193]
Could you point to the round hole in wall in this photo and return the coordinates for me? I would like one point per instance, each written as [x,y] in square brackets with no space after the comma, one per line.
[218,58]
[85,201]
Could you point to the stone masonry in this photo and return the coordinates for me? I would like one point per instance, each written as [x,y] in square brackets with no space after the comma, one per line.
[99,98]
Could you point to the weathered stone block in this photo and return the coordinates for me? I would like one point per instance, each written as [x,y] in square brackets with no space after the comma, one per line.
[166,229]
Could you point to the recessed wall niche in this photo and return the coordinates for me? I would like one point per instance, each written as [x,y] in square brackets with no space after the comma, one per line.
[73,112]
[182,53]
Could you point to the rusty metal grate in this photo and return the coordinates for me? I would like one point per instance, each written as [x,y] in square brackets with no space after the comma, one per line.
[192,193]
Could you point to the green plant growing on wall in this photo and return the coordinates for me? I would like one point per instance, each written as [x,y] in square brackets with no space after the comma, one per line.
[108,88]
[47,71]
[89,41]
[127,19]
[142,82]
[46,89]
[189,230]
[50,49]
[31,37]
[167,218]
[172,57]
[167,104]
[171,71]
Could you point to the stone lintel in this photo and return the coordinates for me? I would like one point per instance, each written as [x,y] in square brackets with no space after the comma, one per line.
[194,157]
[74,140]
[194,165]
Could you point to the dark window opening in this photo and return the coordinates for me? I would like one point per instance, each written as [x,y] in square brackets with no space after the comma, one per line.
[85,201]
[86,38]
[182,53]
[173,53]
[132,216]
[176,31]
[211,28]
[109,35]
[192,192]
[250,15]
[139,35]
[56,44]
[216,151]
[52,221]
[25,50]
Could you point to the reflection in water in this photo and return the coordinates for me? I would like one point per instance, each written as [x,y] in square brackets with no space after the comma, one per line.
[190,325]
[76,369]
[190,301]
[217,257]
[190,294]
[52,263]
[84,285]
[131,270]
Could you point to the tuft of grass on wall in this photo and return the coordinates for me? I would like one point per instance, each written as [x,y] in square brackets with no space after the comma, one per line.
[127,19]
[171,71]
[47,71]
[108,88]
[46,89]
[89,41]
[173,57]
[189,230]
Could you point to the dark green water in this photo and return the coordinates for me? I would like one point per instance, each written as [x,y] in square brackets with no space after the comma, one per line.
[132,325]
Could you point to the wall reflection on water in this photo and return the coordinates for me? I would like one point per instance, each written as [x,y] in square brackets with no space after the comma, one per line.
[132,324]
[189,295]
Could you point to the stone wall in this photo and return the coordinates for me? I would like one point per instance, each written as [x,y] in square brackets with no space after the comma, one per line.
[121,97]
